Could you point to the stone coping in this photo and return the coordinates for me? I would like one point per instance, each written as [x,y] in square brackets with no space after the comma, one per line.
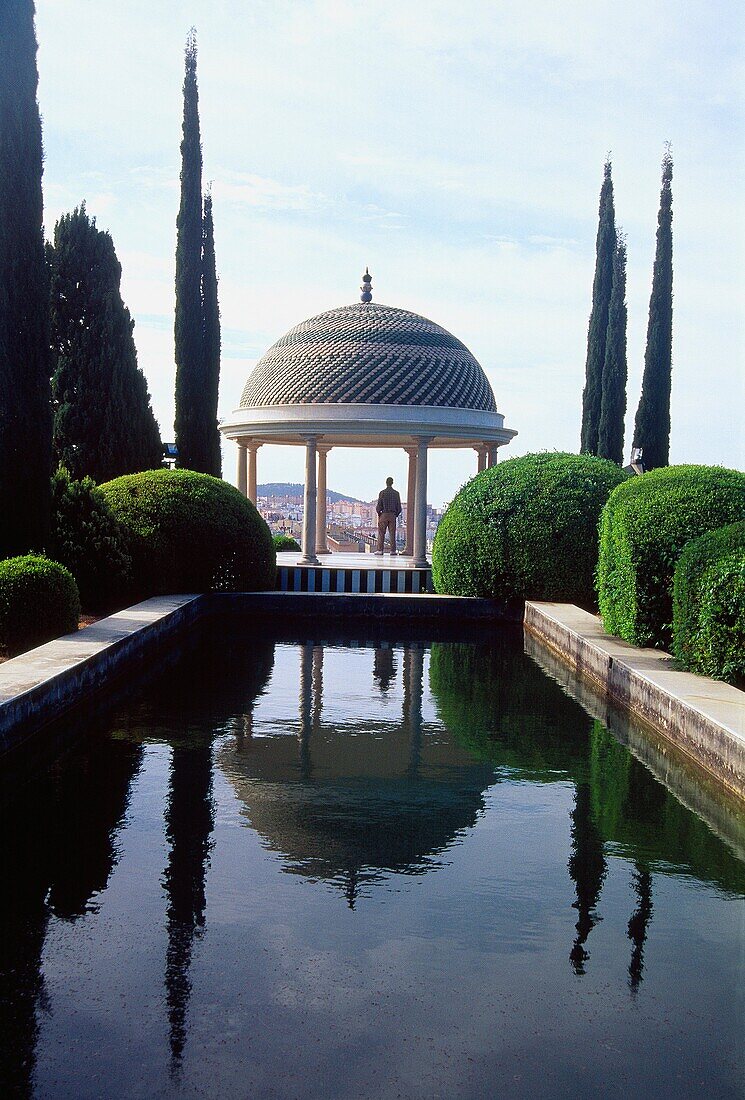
[704,718]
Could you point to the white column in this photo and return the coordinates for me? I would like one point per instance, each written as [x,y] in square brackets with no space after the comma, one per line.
[410,497]
[241,472]
[481,452]
[492,454]
[420,513]
[322,546]
[251,490]
[309,512]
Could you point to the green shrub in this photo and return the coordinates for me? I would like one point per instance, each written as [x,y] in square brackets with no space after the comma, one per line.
[709,604]
[645,525]
[89,541]
[189,532]
[526,529]
[38,601]
[285,542]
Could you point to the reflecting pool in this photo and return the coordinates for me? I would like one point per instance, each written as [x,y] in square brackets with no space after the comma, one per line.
[319,868]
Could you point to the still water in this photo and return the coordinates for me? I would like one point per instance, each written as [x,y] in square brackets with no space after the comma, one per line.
[318,869]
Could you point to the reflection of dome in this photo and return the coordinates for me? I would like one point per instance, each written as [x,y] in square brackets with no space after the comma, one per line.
[369,354]
[345,805]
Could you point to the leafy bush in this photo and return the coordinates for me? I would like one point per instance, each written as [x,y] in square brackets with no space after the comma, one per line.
[645,525]
[38,601]
[189,532]
[89,541]
[709,604]
[285,542]
[526,529]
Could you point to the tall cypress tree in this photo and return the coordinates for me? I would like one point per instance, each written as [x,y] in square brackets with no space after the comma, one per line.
[605,250]
[103,423]
[192,380]
[652,425]
[613,402]
[25,414]
[211,335]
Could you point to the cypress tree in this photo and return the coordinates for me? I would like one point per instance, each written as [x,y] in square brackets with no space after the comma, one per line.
[613,402]
[211,336]
[103,423]
[192,381]
[605,250]
[652,424]
[25,414]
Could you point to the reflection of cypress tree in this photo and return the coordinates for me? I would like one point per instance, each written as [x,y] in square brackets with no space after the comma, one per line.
[588,869]
[189,823]
[85,799]
[639,924]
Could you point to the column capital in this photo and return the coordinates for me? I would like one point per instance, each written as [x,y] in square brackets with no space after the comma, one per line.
[324,448]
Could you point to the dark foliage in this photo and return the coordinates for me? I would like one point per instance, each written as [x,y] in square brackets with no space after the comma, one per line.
[89,541]
[643,529]
[709,604]
[189,532]
[38,601]
[613,403]
[605,251]
[195,418]
[285,542]
[103,423]
[211,335]
[526,529]
[25,414]
[652,424]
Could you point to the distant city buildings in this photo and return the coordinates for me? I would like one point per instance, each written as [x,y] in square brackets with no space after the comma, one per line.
[351,525]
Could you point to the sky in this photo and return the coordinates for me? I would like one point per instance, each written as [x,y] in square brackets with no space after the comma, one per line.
[456,150]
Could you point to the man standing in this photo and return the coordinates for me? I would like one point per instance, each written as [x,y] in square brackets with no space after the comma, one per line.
[388,509]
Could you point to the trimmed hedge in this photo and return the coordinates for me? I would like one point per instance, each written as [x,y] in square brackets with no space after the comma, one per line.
[189,532]
[645,525]
[89,541]
[526,529]
[285,542]
[709,604]
[39,600]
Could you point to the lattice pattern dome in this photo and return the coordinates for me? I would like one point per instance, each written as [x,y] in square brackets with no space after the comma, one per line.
[369,354]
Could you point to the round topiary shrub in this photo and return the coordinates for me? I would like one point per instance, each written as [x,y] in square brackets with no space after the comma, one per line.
[39,600]
[709,604]
[526,529]
[644,527]
[284,543]
[89,541]
[189,532]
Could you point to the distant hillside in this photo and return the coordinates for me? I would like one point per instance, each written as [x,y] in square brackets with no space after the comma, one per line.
[295,489]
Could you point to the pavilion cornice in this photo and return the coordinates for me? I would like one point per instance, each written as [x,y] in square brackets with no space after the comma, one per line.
[361,425]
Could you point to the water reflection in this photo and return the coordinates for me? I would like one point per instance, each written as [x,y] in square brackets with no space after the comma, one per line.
[380,764]
[509,713]
[352,805]
[59,849]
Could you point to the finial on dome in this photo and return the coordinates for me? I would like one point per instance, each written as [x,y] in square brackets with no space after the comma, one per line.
[366,288]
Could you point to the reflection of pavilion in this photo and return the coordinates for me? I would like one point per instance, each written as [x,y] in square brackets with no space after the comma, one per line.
[348,805]
[366,375]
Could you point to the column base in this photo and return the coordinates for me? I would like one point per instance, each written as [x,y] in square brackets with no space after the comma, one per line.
[421,563]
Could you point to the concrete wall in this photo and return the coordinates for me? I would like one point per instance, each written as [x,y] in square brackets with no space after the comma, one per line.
[703,718]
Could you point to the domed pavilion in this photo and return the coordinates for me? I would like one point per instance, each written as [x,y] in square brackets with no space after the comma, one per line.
[365,375]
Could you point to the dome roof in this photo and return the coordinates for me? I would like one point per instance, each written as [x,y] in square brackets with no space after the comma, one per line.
[369,354]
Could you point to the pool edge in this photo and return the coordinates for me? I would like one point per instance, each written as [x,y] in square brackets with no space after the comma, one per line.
[703,718]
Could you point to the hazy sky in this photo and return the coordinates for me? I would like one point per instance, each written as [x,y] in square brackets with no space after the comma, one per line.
[455,149]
